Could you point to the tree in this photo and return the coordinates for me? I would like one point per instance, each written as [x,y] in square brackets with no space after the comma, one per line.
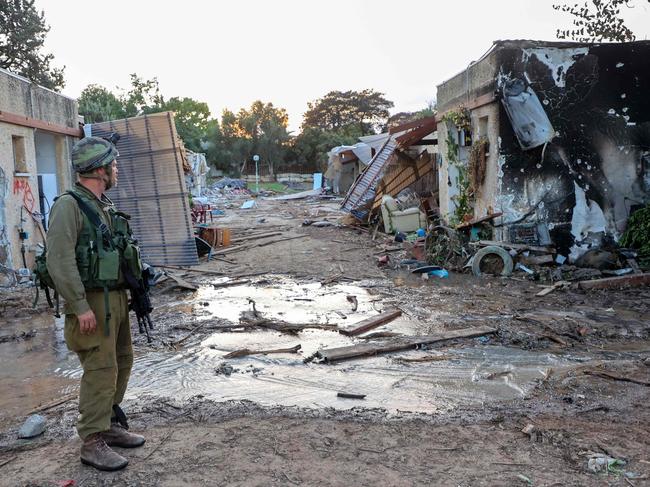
[405,117]
[311,146]
[22,36]
[192,120]
[596,21]
[261,129]
[97,104]
[143,97]
[367,109]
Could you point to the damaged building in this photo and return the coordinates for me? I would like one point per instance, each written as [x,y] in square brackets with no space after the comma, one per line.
[553,135]
[37,130]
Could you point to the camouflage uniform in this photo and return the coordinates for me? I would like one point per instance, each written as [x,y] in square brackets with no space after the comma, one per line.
[106,360]
[106,355]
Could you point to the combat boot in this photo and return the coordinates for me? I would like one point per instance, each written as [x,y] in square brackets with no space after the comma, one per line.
[120,437]
[96,453]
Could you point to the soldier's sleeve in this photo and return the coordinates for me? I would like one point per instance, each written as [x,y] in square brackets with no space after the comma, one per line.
[64,227]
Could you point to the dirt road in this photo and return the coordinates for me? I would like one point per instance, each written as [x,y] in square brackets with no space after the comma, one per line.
[570,367]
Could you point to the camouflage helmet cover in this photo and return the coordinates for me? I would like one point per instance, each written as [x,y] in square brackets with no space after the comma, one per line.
[91,153]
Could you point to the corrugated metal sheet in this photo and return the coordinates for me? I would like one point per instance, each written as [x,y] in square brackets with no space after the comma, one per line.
[362,191]
[151,187]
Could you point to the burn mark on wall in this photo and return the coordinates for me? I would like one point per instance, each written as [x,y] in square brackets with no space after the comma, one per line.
[594,171]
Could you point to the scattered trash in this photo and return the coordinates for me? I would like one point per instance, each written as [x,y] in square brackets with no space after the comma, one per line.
[383,260]
[25,335]
[323,223]
[247,205]
[348,395]
[523,478]
[441,273]
[601,463]
[353,300]
[225,369]
[522,267]
[32,427]
[230,184]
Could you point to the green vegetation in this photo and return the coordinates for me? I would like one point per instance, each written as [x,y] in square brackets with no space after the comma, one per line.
[230,142]
[454,121]
[22,35]
[637,235]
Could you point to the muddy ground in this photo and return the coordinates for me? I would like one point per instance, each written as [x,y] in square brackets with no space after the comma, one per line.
[571,367]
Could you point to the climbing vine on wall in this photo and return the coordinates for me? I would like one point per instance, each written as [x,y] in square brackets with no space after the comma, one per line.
[460,120]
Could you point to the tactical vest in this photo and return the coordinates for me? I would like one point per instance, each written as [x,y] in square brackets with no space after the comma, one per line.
[104,253]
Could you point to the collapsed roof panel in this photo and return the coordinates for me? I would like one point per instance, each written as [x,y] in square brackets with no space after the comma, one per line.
[152,187]
[362,193]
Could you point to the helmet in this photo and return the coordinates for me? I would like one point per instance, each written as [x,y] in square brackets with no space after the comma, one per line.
[91,153]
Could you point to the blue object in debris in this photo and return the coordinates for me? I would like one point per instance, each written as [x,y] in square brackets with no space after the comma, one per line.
[441,273]
[400,237]
[421,232]
[216,212]
[248,205]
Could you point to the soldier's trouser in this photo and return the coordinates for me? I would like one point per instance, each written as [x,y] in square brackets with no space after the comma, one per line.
[106,360]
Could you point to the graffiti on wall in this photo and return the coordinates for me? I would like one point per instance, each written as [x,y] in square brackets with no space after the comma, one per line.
[22,187]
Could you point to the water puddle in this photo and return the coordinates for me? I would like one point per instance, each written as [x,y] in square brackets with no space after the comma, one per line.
[471,374]
[27,378]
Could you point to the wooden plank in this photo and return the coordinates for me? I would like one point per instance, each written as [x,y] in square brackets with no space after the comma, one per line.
[182,282]
[477,102]
[369,349]
[476,221]
[35,123]
[632,280]
[537,259]
[372,322]
[411,125]
[245,352]
[552,288]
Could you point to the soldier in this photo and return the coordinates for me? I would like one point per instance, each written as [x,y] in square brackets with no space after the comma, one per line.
[88,243]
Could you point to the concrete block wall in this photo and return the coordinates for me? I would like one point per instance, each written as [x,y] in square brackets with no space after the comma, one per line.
[43,152]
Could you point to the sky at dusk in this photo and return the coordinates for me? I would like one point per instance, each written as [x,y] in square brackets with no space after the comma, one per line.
[290,52]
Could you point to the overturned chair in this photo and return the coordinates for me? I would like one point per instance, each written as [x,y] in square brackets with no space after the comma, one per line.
[396,220]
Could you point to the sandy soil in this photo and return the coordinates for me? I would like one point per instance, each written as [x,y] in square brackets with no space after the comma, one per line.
[573,413]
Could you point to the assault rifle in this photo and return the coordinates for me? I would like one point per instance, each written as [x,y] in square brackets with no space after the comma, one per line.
[140,302]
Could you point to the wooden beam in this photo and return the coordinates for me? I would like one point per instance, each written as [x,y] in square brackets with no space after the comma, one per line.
[411,138]
[473,104]
[34,123]
[370,323]
[411,125]
[368,349]
[632,280]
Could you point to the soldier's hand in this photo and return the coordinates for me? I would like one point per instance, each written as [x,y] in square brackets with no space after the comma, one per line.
[87,322]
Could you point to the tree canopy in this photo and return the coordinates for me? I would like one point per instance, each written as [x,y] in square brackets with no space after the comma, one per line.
[367,109]
[596,21]
[22,36]
[231,141]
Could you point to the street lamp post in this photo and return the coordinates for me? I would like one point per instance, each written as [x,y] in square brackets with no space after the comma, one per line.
[256,158]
